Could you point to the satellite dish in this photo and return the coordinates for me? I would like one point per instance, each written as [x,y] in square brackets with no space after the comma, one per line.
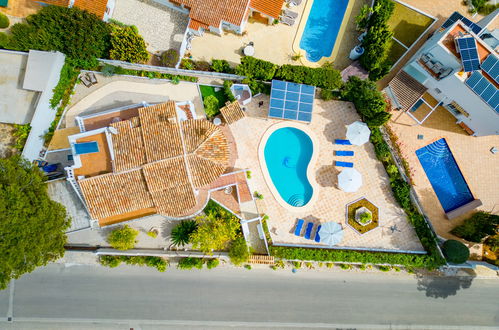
[113,130]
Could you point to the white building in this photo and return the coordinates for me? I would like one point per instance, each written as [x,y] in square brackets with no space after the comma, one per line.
[450,68]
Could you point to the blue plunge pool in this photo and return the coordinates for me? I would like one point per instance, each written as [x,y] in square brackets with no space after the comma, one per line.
[444,175]
[321,30]
[86,148]
[287,153]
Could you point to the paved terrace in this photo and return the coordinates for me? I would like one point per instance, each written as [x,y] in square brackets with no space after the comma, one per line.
[328,123]
[275,42]
[478,165]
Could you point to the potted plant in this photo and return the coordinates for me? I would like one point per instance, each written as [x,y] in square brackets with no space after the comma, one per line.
[363,216]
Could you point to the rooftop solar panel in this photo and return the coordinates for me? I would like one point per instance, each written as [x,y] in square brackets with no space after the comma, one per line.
[291,101]
[456,16]
[491,67]
[469,53]
[485,89]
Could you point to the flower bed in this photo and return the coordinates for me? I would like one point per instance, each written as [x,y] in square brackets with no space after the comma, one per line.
[352,219]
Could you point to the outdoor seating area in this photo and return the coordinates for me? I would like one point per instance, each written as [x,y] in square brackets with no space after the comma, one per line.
[88,79]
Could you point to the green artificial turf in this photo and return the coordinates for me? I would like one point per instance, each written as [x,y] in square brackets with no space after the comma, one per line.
[407,24]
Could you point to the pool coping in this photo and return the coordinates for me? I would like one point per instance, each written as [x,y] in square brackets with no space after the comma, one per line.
[301,27]
[310,167]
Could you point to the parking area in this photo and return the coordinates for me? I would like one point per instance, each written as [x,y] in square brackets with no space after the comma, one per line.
[162,27]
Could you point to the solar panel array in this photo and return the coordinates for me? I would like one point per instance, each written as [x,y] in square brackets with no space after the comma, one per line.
[469,53]
[485,89]
[456,16]
[291,101]
[491,67]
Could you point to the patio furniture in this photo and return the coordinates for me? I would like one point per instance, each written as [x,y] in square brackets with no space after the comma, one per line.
[295,2]
[426,57]
[317,236]
[92,78]
[358,133]
[287,20]
[290,13]
[343,164]
[331,233]
[249,50]
[299,226]
[85,80]
[343,153]
[342,142]
[349,180]
[308,231]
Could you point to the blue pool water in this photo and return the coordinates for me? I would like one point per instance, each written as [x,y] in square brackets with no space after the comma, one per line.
[86,148]
[322,28]
[288,152]
[444,175]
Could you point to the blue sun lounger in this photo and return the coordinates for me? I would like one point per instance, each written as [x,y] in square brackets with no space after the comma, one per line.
[299,226]
[317,236]
[343,164]
[344,153]
[308,232]
[343,142]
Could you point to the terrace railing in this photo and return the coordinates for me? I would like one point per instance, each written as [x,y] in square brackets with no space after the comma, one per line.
[173,71]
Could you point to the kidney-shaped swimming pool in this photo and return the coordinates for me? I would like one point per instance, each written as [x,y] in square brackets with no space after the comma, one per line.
[287,154]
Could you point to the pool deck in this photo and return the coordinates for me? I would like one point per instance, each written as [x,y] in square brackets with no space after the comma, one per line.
[278,43]
[472,154]
[328,123]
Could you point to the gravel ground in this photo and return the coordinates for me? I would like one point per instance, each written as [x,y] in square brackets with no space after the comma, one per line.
[162,27]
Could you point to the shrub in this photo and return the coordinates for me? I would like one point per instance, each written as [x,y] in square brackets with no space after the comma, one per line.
[181,233]
[257,87]
[362,267]
[187,64]
[324,77]
[326,255]
[238,251]
[345,266]
[279,264]
[4,40]
[382,151]
[228,93]
[484,7]
[4,21]
[392,171]
[362,19]
[21,134]
[401,191]
[365,218]
[329,265]
[152,233]
[309,265]
[384,268]
[170,58]
[368,101]
[248,267]
[214,232]
[202,66]
[114,261]
[48,29]
[255,68]
[123,238]
[493,243]
[297,264]
[190,262]
[127,45]
[326,94]
[257,195]
[211,106]
[110,261]
[455,251]
[221,66]
[395,268]
[480,225]
[212,263]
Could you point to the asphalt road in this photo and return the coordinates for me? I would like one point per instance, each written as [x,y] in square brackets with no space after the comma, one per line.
[144,298]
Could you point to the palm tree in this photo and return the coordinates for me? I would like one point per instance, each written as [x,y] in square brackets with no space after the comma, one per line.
[180,235]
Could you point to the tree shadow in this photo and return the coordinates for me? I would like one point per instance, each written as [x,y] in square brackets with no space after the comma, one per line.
[327,176]
[443,286]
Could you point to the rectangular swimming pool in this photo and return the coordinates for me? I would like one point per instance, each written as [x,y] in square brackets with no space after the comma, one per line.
[444,175]
[86,148]
[321,30]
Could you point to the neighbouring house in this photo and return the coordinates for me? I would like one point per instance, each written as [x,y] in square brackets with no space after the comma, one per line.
[219,15]
[457,69]
[102,8]
[146,159]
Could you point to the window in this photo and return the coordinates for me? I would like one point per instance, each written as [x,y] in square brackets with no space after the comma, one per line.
[457,109]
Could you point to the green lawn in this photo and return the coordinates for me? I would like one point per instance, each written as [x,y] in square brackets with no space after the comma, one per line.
[396,51]
[210,90]
[407,24]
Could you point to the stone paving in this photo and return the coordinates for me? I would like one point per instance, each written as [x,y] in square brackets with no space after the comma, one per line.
[328,123]
[477,164]
[162,27]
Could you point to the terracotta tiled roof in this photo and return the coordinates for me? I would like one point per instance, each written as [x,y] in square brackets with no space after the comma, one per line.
[406,89]
[232,112]
[97,7]
[163,133]
[213,12]
[196,25]
[115,193]
[128,146]
[165,174]
[268,7]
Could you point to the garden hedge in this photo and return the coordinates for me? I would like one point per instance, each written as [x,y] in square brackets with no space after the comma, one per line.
[480,225]
[455,251]
[4,21]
